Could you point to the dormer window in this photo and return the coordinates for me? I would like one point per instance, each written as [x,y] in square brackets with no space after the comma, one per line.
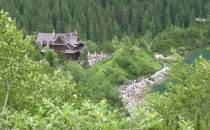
[44,43]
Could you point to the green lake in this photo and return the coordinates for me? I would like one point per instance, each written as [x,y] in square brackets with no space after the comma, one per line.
[192,56]
[189,59]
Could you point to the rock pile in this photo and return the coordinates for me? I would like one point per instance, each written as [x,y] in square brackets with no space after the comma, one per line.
[133,94]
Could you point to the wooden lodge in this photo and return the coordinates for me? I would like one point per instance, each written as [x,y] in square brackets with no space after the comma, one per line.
[67,43]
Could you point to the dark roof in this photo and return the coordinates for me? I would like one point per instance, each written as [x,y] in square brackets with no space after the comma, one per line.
[68,43]
[69,38]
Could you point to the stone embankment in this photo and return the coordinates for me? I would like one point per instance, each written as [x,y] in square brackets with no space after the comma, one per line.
[95,58]
[133,93]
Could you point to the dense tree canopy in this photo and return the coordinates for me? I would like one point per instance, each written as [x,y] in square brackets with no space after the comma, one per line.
[24,82]
[34,97]
[100,20]
[47,92]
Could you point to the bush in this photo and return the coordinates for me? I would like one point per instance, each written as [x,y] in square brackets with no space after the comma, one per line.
[88,117]
[176,37]
[127,63]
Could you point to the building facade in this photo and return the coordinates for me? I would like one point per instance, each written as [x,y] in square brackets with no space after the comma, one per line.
[67,43]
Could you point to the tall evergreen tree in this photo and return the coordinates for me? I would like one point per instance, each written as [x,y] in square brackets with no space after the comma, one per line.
[101,20]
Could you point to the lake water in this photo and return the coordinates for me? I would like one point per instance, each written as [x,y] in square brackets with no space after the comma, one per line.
[189,59]
[192,56]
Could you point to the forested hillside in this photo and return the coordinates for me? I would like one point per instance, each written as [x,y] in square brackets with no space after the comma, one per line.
[36,94]
[100,20]
[143,83]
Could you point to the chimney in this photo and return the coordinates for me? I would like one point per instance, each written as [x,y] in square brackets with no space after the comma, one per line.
[54,33]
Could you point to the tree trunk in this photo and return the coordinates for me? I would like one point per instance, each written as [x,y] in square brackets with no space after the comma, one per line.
[6,99]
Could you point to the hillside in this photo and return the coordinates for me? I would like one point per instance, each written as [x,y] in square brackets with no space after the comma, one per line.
[145,43]
[101,20]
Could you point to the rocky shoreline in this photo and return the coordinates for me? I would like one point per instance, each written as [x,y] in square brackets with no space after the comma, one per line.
[133,93]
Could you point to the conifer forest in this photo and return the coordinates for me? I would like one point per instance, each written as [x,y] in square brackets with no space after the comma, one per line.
[104,64]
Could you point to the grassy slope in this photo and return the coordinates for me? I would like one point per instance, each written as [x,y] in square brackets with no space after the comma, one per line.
[127,64]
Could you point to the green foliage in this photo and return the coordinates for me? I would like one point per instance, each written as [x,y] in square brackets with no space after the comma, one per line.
[181,39]
[42,94]
[102,20]
[97,83]
[23,82]
[186,125]
[51,57]
[186,101]
[144,118]
[88,117]
[127,63]
[183,106]
[73,68]
[91,46]
[13,57]
[135,61]
[35,54]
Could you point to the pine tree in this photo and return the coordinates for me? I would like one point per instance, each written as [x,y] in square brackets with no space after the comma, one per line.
[98,20]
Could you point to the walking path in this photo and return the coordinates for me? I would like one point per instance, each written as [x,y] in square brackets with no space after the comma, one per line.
[133,93]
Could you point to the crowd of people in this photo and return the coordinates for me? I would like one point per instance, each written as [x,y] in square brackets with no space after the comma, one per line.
[95,58]
[133,93]
[162,57]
